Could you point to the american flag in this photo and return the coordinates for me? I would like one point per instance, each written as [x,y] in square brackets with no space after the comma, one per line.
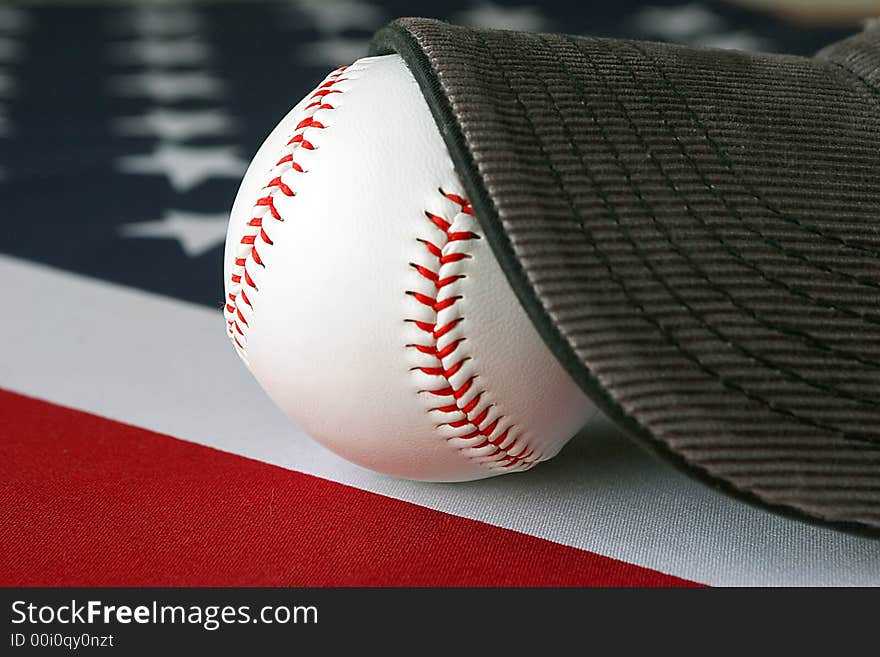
[135,449]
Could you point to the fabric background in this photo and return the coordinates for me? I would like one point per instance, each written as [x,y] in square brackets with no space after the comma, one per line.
[123,133]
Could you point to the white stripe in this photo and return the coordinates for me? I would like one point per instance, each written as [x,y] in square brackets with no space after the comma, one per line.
[167,366]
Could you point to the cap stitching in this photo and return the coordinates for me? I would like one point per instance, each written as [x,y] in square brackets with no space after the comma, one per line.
[670,340]
[751,190]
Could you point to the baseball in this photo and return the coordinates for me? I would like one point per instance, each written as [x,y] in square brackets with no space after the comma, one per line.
[362,296]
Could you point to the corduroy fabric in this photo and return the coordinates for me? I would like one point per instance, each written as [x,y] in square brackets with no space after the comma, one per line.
[696,234]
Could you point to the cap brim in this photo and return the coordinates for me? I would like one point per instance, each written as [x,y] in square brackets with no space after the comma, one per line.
[696,235]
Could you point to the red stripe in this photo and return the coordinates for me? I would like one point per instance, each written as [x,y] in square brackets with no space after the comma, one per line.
[90,501]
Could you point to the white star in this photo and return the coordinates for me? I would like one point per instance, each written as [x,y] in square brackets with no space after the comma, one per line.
[159,21]
[741,40]
[186,166]
[161,52]
[337,16]
[7,86]
[13,20]
[678,23]
[334,51]
[169,87]
[176,125]
[490,15]
[9,49]
[197,233]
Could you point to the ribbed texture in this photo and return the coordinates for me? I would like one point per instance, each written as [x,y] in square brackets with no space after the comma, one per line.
[703,229]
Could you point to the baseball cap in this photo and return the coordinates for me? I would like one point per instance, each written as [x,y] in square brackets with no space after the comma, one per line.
[695,233]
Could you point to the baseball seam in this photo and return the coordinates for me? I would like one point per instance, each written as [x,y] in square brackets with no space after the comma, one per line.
[241,288]
[484,435]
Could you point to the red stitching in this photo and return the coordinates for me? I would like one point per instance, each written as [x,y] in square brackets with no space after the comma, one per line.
[236,324]
[513,455]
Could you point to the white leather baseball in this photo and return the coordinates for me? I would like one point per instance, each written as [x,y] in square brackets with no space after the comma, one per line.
[363,299]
